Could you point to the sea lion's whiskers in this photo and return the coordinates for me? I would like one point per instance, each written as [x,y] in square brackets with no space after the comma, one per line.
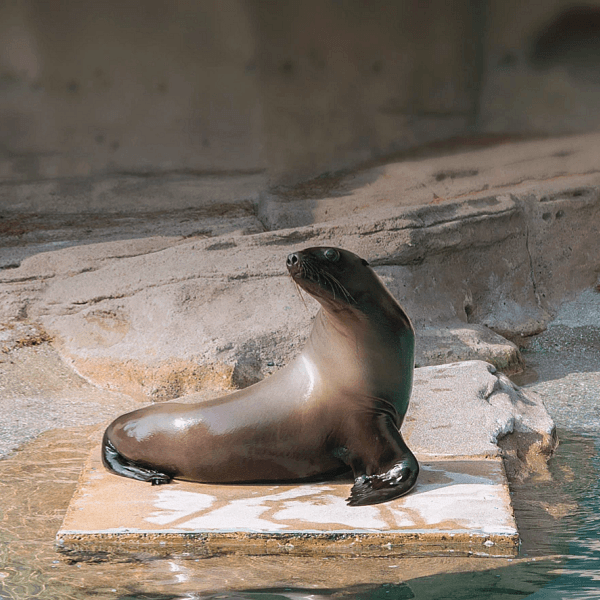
[332,284]
[327,281]
[315,273]
[299,290]
[336,283]
[312,271]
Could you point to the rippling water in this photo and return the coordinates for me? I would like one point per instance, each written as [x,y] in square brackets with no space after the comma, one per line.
[558,517]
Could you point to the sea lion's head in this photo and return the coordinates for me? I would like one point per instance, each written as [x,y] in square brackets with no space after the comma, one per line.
[337,278]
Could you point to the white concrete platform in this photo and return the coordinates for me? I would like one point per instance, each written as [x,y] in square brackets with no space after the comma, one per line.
[458,507]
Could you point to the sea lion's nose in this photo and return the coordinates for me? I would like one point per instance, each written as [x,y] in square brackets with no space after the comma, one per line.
[292,259]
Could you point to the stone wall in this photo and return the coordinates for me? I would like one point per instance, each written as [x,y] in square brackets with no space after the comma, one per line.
[542,65]
[297,88]
[145,86]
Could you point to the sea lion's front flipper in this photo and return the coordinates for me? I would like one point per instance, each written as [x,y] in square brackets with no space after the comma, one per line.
[374,489]
[384,467]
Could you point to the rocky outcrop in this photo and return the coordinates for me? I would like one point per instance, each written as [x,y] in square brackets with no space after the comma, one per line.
[468,409]
[211,305]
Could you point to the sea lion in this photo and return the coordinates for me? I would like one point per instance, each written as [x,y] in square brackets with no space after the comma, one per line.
[338,406]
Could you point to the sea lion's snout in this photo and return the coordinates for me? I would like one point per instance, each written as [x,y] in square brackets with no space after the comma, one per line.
[317,271]
[292,260]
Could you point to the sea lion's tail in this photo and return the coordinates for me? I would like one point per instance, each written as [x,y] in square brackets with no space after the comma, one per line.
[118,464]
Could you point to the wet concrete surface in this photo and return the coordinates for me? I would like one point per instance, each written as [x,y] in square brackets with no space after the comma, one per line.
[457,508]
[565,360]
[36,484]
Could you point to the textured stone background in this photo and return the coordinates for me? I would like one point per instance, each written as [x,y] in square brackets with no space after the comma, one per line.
[293,88]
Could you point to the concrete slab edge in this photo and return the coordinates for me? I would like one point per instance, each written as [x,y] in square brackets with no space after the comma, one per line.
[392,543]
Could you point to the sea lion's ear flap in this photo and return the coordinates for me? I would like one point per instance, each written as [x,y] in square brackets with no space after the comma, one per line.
[364,262]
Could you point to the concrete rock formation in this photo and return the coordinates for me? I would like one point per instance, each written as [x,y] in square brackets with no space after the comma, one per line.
[468,409]
[159,305]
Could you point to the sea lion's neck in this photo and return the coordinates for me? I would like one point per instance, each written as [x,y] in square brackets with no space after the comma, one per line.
[370,353]
[376,313]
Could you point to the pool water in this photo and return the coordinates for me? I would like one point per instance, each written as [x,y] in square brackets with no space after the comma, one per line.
[558,517]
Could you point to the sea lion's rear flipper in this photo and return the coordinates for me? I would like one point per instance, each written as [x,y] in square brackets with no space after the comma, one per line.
[118,464]
[384,467]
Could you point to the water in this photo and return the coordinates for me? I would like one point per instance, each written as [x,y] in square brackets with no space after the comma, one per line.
[558,517]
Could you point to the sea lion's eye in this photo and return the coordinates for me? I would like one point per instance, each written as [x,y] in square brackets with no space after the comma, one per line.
[364,262]
[332,255]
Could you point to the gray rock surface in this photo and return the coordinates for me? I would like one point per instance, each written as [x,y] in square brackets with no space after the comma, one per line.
[38,391]
[466,408]
[564,364]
